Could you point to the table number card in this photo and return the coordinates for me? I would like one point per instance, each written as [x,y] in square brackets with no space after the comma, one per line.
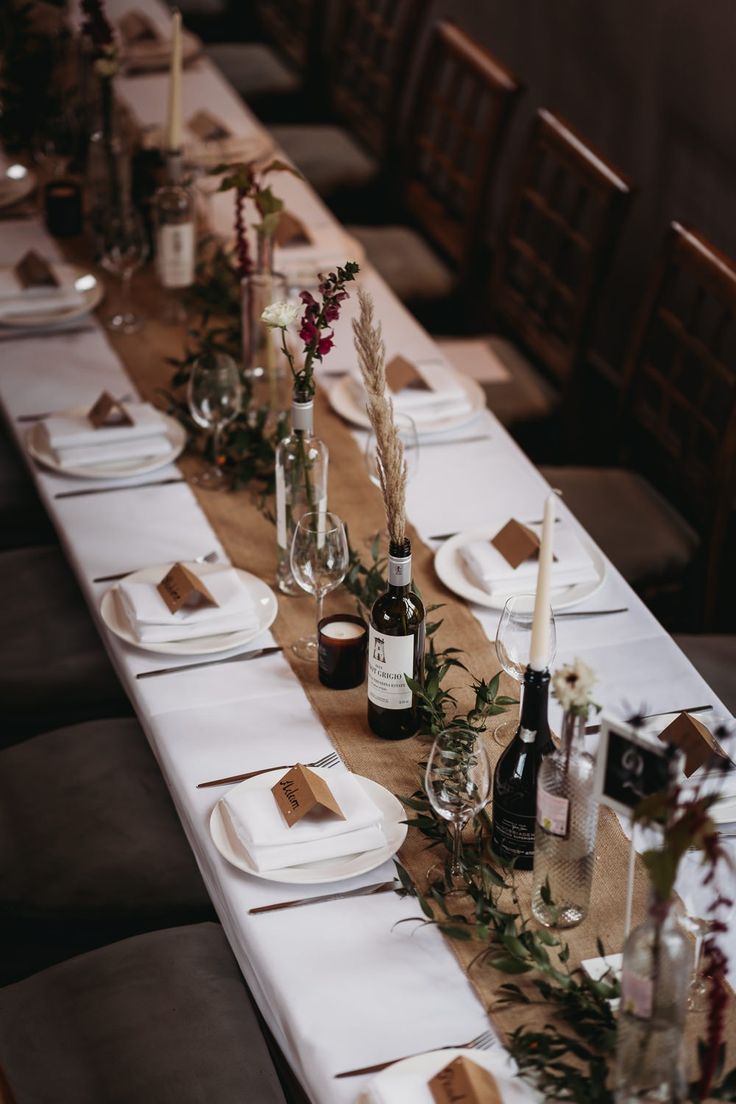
[401,373]
[300,791]
[291,230]
[34,271]
[181,587]
[629,766]
[516,543]
[108,412]
[207,127]
[692,738]
[464,1082]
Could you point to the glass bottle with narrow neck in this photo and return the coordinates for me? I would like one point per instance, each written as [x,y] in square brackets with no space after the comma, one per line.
[174,217]
[301,484]
[395,649]
[515,777]
[567,820]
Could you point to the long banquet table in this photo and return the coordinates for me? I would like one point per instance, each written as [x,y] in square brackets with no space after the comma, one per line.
[340,985]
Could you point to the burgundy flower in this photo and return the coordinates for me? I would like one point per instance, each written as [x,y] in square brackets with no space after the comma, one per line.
[324,346]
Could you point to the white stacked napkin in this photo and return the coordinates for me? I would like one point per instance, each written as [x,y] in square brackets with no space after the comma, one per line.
[76,443]
[270,844]
[17,300]
[444,398]
[494,574]
[151,622]
[408,1082]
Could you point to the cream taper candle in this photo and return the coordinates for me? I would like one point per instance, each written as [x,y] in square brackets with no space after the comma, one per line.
[173,125]
[539,648]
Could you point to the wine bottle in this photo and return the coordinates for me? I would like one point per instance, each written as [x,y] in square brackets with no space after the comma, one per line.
[395,649]
[301,484]
[175,227]
[515,777]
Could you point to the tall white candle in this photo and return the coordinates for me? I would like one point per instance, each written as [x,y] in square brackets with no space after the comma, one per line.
[539,648]
[173,123]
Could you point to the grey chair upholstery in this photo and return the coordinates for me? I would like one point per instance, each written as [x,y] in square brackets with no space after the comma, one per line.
[53,667]
[159,1018]
[408,264]
[254,69]
[327,156]
[524,395]
[23,519]
[714,656]
[91,847]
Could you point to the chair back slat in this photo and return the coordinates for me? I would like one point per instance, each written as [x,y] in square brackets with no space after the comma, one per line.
[293,26]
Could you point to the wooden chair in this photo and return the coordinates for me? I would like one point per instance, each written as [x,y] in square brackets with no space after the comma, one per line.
[461,108]
[552,256]
[678,430]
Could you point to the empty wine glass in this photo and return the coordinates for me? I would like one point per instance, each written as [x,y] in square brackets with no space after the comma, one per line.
[407,429]
[457,782]
[215,395]
[513,639]
[319,562]
[123,249]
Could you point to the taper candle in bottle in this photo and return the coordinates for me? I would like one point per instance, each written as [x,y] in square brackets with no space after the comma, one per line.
[539,647]
[173,119]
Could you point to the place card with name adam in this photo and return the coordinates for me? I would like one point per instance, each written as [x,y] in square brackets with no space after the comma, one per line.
[464,1082]
[401,373]
[300,791]
[692,738]
[108,412]
[181,587]
[516,543]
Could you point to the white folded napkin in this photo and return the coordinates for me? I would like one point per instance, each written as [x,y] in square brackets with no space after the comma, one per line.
[151,621]
[17,300]
[270,844]
[494,574]
[75,430]
[444,398]
[109,452]
[404,1083]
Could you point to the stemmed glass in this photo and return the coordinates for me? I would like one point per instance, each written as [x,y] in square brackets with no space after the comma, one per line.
[457,781]
[124,249]
[513,639]
[407,429]
[319,562]
[215,395]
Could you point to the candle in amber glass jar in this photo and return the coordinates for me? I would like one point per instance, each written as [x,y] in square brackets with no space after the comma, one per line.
[342,650]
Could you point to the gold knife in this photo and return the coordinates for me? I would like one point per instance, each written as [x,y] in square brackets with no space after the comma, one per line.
[365,891]
[255,654]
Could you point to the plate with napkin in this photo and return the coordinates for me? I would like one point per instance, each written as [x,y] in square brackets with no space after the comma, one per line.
[249,830]
[16,182]
[146,48]
[407,1082]
[135,611]
[470,566]
[70,293]
[68,443]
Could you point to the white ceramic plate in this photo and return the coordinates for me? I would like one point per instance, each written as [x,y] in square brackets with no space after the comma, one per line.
[422,1068]
[117,469]
[326,870]
[262,595]
[91,290]
[15,188]
[450,567]
[343,401]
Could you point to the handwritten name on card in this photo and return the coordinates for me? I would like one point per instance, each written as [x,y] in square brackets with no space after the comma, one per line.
[300,791]
[107,413]
[464,1082]
[181,587]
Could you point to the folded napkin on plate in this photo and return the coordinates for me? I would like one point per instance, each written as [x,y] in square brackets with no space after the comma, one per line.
[76,443]
[16,300]
[270,844]
[402,1084]
[494,574]
[150,621]
[198,151]
[442,396]
[112,451]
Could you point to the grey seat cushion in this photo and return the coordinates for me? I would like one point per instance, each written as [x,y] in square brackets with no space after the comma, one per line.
[23,519]
[523,396]
[161,1018]
[327,156]
[253,69]
[53,667]
[407,263]
[715,658]
[635,526]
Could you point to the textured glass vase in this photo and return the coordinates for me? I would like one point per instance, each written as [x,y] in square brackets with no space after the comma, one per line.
[301,485]
[565,831]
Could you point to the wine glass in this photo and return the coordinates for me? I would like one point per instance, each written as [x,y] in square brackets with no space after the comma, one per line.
[513,639]
[215,395]
[458,782]
[124,249]
[407,430]
[319,562]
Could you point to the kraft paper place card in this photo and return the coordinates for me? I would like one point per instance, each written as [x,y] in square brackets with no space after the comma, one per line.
[464,1082]
[291,230]
[207,127]
[181,587]
[300,791]
[136,27]
[108,412]
[401,373]
[693,738]
[516,543]
[34,271]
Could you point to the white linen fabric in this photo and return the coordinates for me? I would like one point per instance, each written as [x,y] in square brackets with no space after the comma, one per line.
[143,448]
[494,574]
[17,300]
[151,621]
[443,397]
[405,1084]
[65,430]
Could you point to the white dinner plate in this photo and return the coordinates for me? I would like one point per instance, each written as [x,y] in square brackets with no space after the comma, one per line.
[14,187]
[114,469]
[263,597]
[451,569]
[423,1067]
[85,282]
[343,401]
[326,870]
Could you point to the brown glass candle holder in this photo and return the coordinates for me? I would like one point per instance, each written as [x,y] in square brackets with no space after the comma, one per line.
[63,208]
[343,644]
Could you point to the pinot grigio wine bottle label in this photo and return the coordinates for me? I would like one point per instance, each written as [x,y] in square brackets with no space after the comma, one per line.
[390,658]
[175,254]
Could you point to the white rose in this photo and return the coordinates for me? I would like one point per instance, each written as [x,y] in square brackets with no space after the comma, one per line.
[572,686]
[280,315]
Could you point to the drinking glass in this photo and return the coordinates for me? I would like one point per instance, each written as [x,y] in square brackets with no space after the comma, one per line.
[319,562]
[407,430]
[513,639]
[458,782]
[124,249]
[215,395]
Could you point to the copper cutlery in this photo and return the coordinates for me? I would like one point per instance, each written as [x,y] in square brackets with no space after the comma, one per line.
[50,413]
[330,760]
[365,891]
[591,729]
[211,557]
[127,487]
[257,653]
[484,1041]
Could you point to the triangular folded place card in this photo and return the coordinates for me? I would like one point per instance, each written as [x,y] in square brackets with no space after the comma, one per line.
[181,587]
[135,26]
[108,412]
[401,373]
[464,1082]
[516,543]
[207,127]
[34,271]
[291,230]
[693,738]
[300,791]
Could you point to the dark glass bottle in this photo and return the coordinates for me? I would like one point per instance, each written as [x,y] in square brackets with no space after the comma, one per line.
[515,777]
[395,649]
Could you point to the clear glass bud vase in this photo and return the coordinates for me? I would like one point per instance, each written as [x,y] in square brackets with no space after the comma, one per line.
[565,831]
[264,363]
[301,485]
[650,1055]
